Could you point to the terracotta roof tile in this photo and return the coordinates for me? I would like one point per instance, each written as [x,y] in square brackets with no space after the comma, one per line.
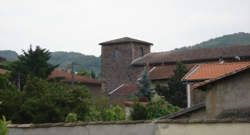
[213,70]
[125,40]
[3,71]
[204,83]
[165,72]
[130,103]
[67,77]
[125,89]
[194,56]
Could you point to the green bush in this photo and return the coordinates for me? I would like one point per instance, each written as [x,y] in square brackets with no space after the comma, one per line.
[138,111]
[71,117]
[3,126]
[154,109]
[42,102]
[102,111]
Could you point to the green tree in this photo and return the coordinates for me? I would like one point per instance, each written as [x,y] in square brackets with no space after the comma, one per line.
[83,72]
[44,102]
[144,86]
[175,92]
[93,75]
[32,63]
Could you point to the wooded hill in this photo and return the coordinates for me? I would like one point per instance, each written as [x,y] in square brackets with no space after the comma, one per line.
[89,62]
[64,59]
[235,39]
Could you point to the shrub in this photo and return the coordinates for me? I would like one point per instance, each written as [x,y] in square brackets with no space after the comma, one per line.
[102,111]
[71,117]
[154,109]
[3,126]
[138,111]
[42,102]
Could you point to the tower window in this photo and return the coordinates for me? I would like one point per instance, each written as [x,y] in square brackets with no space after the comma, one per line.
[141,52]
[116,53]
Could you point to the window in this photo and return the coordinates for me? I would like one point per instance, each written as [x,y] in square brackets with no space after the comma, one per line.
[141,52]
[116,53]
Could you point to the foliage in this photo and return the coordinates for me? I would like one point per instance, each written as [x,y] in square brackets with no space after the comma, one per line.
[93,75]
[175,92]
[102,111]
[71,117]
[4,82]
[5,65]
[138,111]
[226,40]
[144,86]
[32,63]
[83,72]
[3,125]
[154,109]
[42,101]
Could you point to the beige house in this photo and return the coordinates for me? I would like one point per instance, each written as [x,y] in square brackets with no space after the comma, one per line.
[227,96]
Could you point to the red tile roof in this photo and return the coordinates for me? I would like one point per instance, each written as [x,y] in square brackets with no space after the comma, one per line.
[124,89]
[213,70]
[204,83]
[165,72]
[3,71]
[67,77]
[130,103]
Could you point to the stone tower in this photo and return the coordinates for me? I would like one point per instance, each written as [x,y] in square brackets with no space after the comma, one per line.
[116,59]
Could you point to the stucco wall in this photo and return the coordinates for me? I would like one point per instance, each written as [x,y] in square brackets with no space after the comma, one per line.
[230,97]
[196,115]
[148,128]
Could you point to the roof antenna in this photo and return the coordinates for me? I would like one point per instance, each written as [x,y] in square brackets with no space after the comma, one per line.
[237,58]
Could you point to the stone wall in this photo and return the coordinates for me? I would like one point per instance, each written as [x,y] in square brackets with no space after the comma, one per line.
[229,97]
[222,127]
[118,70]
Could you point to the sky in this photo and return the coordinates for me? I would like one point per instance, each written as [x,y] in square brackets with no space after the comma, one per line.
[80,25]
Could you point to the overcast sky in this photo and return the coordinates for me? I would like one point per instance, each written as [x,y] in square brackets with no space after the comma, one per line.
[79,25]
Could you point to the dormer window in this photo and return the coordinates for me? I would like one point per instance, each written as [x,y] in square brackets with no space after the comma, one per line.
[116,53]
[141,52]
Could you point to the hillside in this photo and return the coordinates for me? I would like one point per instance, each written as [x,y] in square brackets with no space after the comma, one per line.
[81,61]
[226,40]
[64,59]
[8,55]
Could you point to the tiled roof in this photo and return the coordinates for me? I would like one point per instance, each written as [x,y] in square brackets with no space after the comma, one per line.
[213,70]
[194,56]
[130,103]
[3,71]
[204,83]
[124,89]
[125,40]
[165,72]
[67,77]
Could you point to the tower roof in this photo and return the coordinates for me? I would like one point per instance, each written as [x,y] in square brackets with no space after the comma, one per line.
[125,40]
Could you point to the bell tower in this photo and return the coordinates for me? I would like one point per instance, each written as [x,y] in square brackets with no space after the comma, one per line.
[116,59]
